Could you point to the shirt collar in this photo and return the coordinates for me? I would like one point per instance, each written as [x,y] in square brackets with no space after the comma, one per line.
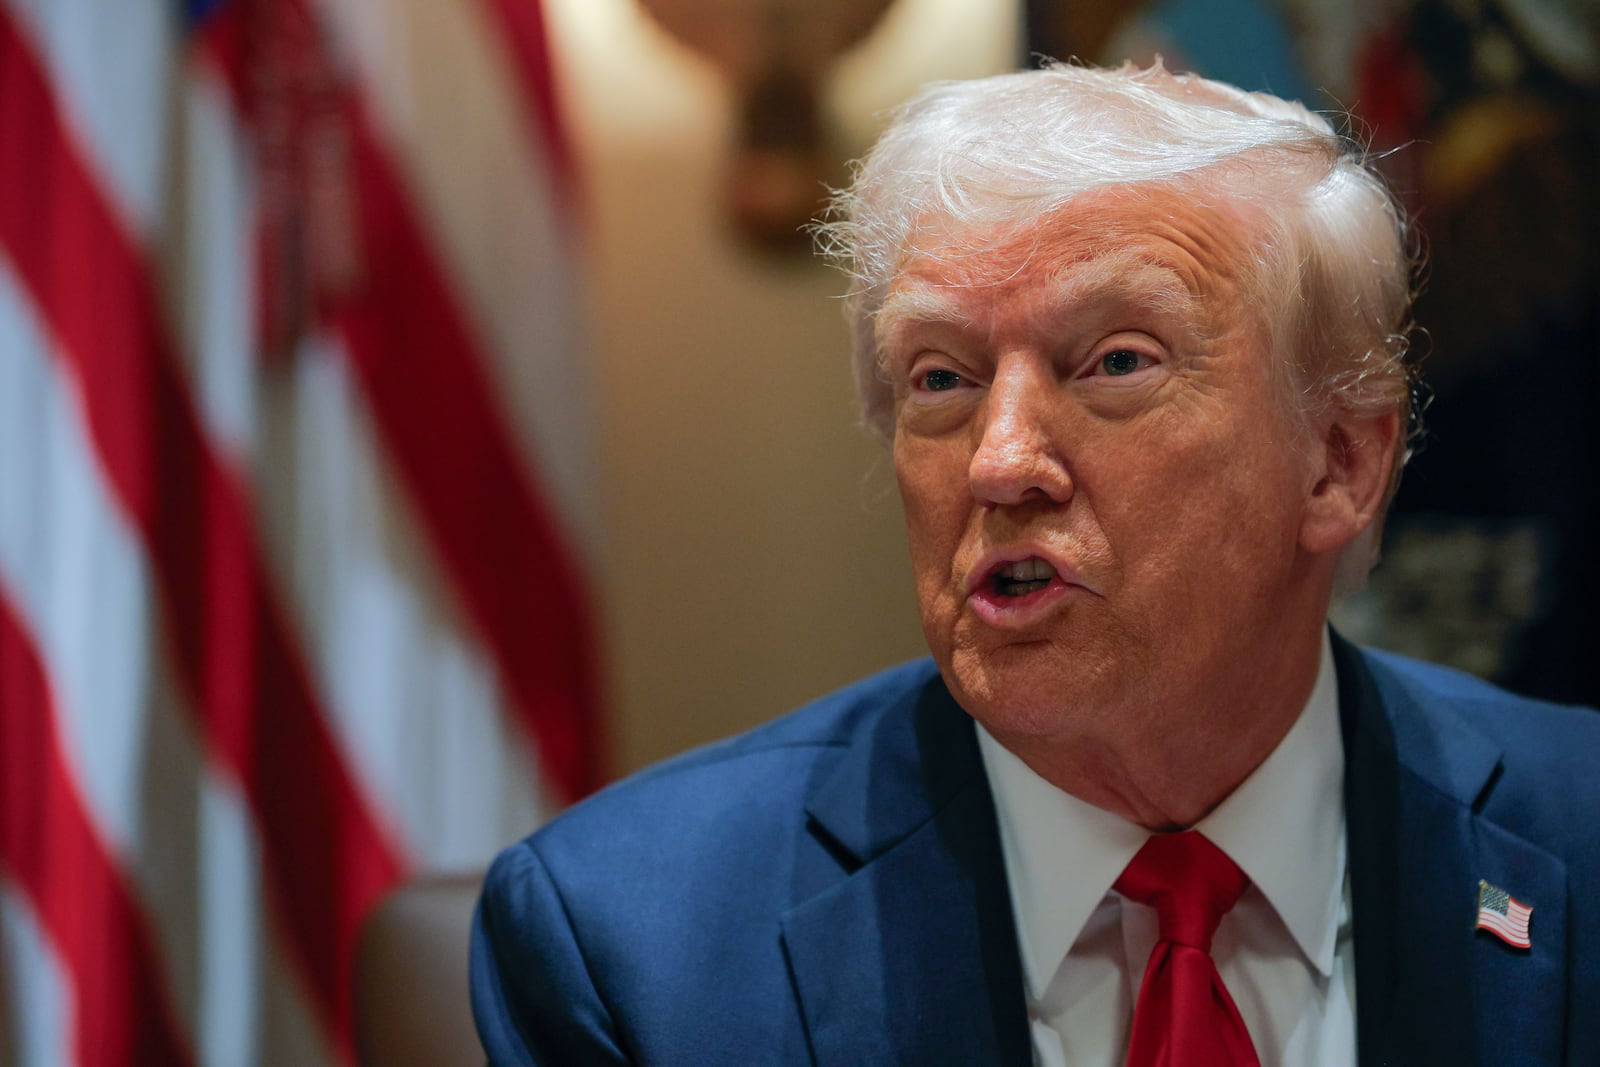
[1283,825]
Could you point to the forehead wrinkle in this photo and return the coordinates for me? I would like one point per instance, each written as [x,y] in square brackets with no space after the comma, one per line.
[1126,276]
[1119,238]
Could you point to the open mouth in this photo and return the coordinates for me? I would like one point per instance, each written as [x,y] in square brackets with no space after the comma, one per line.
[1019,594]
[1021,578]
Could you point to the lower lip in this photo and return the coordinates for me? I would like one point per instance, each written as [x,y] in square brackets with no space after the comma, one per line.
[1018,612]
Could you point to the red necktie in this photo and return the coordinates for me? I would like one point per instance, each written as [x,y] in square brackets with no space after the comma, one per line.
[1184,1016]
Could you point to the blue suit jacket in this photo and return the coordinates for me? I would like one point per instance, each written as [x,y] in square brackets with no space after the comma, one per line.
[830,889]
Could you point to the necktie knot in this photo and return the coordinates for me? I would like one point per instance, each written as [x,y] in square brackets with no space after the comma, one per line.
[1189,881]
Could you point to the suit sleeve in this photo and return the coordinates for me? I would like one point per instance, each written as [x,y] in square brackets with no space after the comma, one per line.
[533,998]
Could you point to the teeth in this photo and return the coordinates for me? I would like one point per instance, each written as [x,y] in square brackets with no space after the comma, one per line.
[1023,577]
[1028,570]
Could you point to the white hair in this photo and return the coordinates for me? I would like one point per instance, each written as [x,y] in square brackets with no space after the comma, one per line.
[980,160]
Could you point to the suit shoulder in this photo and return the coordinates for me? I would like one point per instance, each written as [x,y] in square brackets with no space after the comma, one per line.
[616,926]
[1546,752]
[745,785]
[1517,723]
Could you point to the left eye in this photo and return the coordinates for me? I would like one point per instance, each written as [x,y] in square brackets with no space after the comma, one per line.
[1121,361]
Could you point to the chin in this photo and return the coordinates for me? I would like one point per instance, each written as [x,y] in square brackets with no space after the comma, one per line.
[1033,689]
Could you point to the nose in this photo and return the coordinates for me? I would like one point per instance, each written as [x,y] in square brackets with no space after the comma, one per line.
[1018,459]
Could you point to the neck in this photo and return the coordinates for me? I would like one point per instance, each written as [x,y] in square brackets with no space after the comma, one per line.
[1185,750]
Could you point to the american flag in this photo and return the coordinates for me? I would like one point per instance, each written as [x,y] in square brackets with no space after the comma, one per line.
[1501,915]
[294,501]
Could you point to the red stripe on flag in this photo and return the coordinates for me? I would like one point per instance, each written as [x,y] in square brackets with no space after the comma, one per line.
[522,28]
[326,856]
[49,844]
[426,383]
[424,378]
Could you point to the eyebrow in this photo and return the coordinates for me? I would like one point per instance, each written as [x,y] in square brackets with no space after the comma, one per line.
[1120,273]
[918,306]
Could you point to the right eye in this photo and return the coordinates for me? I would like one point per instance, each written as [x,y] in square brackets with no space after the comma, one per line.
[938,381]
[1122,361]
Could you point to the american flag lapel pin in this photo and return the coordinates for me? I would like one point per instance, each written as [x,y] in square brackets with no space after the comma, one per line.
[1503,916]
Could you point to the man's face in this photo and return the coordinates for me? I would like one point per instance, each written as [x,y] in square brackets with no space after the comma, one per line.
[1102,491]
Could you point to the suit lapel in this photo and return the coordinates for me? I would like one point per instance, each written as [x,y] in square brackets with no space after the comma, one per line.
[1429,987]
[906,951]
[909,955]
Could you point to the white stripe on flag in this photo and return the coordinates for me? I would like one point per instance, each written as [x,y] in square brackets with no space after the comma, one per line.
[215,276]
[82,587]
[252,1010]
[415,702]
[76,575]
[111,62]
[184,836]
[35,995]
[230,926]
[392,664]
[496,218]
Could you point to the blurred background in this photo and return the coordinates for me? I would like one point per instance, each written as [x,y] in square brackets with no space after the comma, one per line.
[417,413]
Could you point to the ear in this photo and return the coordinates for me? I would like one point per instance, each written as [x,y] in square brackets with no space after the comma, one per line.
[1353,462]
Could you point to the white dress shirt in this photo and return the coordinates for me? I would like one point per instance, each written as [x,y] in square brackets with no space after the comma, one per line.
[1284,951]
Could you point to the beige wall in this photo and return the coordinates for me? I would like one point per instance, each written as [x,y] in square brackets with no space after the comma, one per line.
[753,554]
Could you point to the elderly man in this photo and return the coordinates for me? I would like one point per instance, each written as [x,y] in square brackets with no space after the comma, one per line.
[1136,342]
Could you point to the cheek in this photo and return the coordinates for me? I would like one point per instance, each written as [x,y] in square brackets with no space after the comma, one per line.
[1155,476]
[932,476]
[933,493]
[1211,516]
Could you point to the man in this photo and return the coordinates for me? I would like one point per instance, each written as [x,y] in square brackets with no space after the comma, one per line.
[1136,341]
